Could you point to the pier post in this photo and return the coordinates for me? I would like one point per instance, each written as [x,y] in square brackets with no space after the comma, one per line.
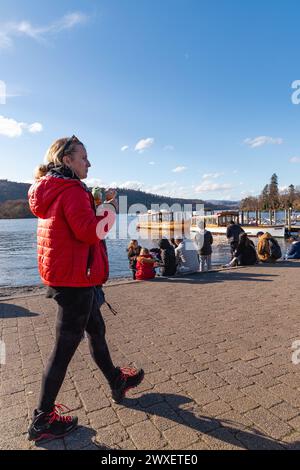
[290,219]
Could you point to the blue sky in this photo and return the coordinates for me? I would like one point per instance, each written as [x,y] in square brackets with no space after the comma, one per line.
[180,97]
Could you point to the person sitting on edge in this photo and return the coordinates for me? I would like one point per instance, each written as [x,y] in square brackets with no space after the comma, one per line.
[294,250]
[145,266]
[268,249]
[232,233]
[245,254]
[186,256]
[168,259]
[133,251]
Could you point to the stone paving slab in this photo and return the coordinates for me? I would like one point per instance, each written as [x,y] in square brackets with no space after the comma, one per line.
[216,348]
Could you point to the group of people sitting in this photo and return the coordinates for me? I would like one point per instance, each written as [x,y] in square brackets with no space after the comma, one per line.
[267,251]
[171,257]
[182,255]
[243,249]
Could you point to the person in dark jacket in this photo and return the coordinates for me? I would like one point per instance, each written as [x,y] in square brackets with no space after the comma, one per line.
[168,259]
[204,242]
[232,233]
[133,251]
[294,250]
[245,254]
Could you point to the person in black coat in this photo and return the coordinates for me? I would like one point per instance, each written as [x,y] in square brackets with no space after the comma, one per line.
[294,250]
[232,233]
[168,259]
[133,252]
[245,254]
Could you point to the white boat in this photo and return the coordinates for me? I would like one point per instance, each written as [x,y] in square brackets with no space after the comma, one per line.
[217,224]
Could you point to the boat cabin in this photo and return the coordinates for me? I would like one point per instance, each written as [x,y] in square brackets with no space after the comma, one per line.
[221,219]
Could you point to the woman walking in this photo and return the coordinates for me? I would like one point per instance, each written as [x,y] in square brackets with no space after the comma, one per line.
[73,264]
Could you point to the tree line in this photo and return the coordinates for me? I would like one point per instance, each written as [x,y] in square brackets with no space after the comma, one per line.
[273,199]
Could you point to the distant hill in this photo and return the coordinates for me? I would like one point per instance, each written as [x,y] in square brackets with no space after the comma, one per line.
[17,209]
[221,203]
[14,204]
[10,191]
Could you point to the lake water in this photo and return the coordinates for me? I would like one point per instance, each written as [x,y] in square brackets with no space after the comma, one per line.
[18,261]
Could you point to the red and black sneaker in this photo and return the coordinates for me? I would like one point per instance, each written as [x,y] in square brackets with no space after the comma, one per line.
[53,425]
[127,378]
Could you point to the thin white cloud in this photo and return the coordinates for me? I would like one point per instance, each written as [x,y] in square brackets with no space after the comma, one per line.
[39,33]
[248,193]
[179,169]
[124,148]
[263,140]
[209,186]
[144,144]
[11,128]
[35,128]
[169,148]
[151,163]
[212,175]
[92,182]
[69,21]
[168,189]
[295,160]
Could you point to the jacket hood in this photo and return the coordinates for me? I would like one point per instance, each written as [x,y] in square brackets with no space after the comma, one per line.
[44,192]
[266,236]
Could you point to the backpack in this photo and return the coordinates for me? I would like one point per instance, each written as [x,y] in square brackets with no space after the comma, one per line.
[275,250]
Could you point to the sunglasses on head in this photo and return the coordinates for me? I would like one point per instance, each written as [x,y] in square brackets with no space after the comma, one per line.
[68,144]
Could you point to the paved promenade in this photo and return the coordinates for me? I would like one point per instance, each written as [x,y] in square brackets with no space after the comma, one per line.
[216,349]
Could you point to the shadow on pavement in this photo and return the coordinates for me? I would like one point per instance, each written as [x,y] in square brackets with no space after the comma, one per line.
[14,311]
[175,408]
[213,277]
[82,438]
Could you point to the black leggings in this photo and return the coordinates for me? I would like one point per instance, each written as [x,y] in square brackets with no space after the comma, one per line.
[78,311]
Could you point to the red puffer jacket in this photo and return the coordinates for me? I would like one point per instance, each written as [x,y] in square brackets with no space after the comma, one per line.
[69,252]
[145,268]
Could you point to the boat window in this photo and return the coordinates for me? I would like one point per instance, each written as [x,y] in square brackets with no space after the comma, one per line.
[165,217]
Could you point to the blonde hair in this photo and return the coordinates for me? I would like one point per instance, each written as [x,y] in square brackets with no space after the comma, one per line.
[132,244]
[54,156]
[144,251]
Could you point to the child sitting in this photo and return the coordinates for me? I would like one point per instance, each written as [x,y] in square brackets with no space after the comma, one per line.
[145,266]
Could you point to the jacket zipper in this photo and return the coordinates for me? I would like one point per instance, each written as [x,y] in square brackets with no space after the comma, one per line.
[89,263]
